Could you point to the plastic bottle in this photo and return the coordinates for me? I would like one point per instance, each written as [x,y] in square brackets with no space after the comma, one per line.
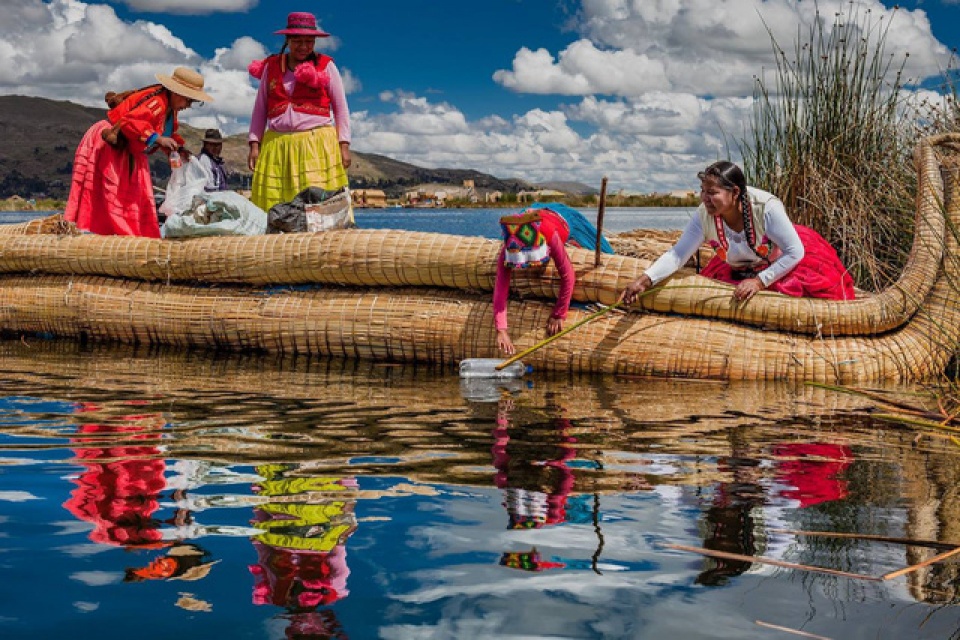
[487,368]
[175,161]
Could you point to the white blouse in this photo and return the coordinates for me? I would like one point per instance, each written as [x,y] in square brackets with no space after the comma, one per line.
[778,229]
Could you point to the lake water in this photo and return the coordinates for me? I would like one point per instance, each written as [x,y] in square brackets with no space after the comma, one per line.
[154,493]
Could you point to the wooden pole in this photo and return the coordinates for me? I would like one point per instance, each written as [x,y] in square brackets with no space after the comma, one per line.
[543,343]
[600,208]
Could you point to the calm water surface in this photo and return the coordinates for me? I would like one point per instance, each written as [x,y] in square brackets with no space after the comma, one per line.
[163,494]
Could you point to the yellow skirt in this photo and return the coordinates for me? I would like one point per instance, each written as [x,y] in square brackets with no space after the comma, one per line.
[291,162]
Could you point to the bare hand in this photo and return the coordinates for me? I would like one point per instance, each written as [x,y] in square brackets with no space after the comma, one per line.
[747,288]
[635,288]
[554,326]
[253,155]
[504,343]
[167,143]
[345,154]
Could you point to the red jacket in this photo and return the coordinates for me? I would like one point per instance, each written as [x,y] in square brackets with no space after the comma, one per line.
[314,100]
[140,120]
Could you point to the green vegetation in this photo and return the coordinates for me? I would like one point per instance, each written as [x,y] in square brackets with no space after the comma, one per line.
[43,204]
[832,135]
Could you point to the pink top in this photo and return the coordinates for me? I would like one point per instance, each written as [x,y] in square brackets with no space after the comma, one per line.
[501,287]
[291,121]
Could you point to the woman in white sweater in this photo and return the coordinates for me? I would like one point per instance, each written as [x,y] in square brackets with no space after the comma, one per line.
[757,246]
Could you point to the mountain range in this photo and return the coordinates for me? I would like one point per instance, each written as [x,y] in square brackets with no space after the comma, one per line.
[40,137]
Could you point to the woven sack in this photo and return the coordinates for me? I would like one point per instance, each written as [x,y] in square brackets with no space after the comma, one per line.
[333,213]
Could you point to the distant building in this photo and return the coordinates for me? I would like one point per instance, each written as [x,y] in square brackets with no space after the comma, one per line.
[437,195]
[493,196]
[370,198]
[539,194]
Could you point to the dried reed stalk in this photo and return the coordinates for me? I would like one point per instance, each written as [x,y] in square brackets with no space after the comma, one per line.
[771,561]
[377,258]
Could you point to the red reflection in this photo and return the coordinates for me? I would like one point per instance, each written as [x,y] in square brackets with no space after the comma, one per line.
[119,489]
[813,469]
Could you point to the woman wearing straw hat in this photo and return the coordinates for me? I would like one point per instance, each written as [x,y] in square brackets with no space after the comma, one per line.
[757,246]
[111,192]
[300,126]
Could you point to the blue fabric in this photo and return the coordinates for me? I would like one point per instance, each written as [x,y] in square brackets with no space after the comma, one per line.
[581,229]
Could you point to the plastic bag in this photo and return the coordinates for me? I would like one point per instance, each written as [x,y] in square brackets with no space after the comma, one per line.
[185,182]
[217,213]
[313,209]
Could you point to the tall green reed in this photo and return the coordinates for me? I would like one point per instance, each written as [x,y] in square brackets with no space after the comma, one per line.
[832,135]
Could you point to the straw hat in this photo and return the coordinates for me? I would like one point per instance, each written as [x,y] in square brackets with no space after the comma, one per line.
[185,82]
[300,23]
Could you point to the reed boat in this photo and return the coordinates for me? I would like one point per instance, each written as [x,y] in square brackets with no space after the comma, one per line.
[405,296]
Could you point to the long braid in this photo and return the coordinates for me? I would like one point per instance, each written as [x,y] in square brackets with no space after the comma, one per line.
[746,209]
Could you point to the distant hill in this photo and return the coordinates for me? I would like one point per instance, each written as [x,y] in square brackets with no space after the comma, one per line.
[40,138]
[573,188]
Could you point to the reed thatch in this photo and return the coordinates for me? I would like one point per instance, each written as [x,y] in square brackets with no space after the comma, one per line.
[420,297]
[384,258]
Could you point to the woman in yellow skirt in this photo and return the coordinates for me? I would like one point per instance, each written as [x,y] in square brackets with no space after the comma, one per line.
[300,126]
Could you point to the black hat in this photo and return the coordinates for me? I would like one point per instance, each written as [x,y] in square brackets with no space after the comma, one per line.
[213,135]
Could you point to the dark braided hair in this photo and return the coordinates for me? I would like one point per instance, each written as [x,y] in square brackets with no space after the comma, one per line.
[728,175]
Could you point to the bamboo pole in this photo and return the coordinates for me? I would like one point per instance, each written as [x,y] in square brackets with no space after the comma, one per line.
[777,563]
[562,333]
[600,209]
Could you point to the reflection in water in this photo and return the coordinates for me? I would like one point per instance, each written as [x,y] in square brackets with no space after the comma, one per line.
[729,520]
[249,476]
[119,489]
[302,554]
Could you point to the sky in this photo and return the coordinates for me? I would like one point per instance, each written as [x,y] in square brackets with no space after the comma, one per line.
[645,92]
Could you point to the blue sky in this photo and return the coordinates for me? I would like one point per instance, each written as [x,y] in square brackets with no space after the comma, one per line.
[639,90]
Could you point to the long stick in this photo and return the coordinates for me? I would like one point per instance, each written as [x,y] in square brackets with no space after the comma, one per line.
[935,559]
[543,343]
[603,202]
[777,563]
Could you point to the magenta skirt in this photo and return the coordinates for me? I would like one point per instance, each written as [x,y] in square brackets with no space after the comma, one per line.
[111,193]
[820,274]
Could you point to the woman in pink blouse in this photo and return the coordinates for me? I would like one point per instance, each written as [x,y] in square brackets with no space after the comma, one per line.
[300,126]
[530,240]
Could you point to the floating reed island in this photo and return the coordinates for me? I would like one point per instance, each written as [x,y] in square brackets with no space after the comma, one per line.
[405,296]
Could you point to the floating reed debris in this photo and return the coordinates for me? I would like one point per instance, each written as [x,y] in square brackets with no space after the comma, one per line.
[771,561]
[795,632]
[926,563]
[867,536]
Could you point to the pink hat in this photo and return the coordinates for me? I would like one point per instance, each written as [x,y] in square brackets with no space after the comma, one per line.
[301,24]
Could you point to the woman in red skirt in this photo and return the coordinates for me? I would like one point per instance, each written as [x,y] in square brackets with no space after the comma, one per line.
[111,192]
[757,246]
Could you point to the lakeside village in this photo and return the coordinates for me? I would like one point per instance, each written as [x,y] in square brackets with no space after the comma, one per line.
[466,195]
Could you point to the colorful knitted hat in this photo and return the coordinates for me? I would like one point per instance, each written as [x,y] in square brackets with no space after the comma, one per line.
[524,244]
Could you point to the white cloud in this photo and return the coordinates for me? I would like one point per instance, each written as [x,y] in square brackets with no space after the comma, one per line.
[17,496]
[652,86]
[195,7]
[656,142]
[700,46]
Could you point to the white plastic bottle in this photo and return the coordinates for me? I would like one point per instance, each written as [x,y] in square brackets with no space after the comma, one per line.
[175,161]
[487,368]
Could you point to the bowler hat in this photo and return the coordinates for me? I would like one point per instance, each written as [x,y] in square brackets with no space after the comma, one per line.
[213,135]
